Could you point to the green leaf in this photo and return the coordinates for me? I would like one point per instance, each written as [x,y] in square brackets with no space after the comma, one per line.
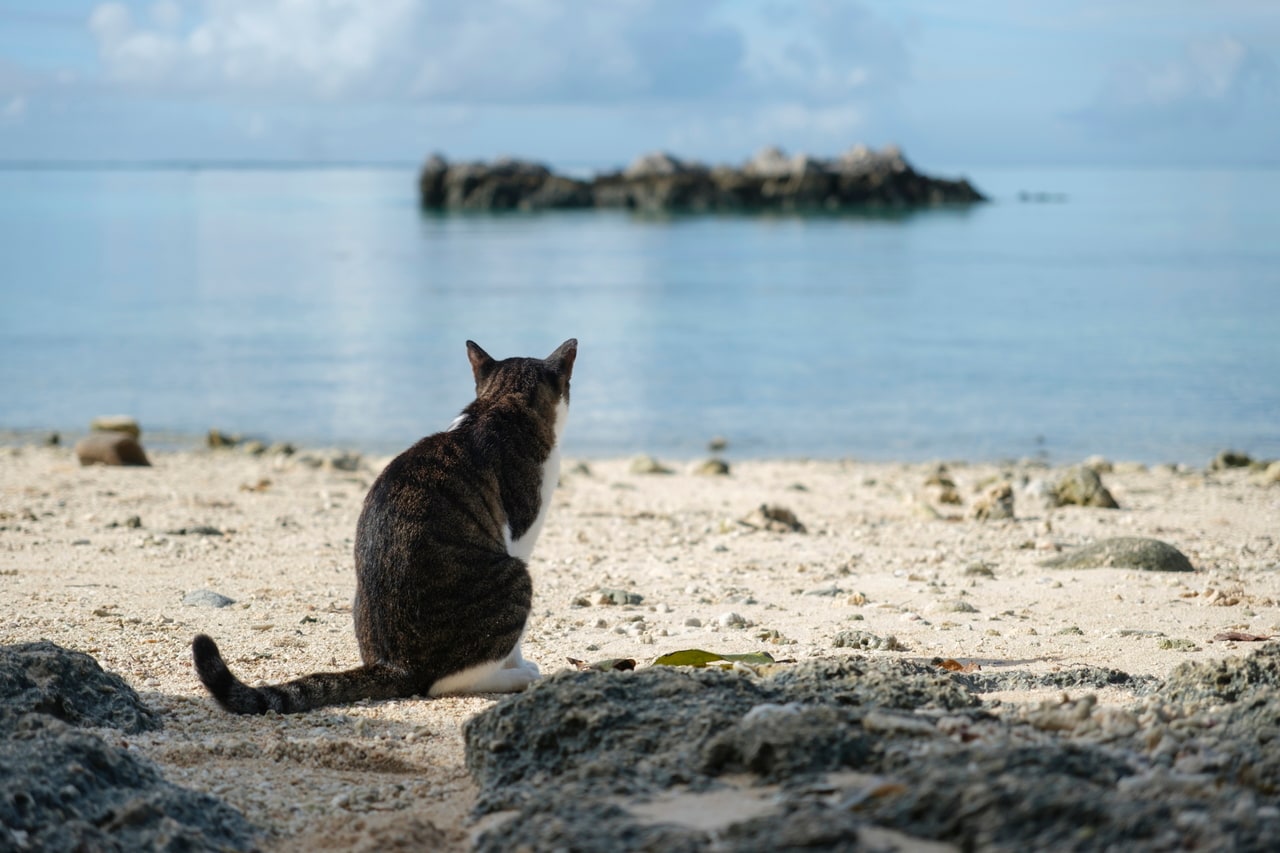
[698,657]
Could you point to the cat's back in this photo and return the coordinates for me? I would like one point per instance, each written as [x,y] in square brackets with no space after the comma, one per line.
[439,489]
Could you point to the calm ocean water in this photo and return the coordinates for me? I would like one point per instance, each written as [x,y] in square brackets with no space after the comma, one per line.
[1139,318]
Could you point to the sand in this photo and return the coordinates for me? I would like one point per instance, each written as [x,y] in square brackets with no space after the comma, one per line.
[100,559]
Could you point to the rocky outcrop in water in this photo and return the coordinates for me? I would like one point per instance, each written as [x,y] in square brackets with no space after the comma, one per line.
[661,182]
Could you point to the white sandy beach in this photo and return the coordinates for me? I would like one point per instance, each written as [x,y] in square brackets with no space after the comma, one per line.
[880,555]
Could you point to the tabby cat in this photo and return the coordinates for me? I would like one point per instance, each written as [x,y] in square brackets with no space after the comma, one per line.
[443,590]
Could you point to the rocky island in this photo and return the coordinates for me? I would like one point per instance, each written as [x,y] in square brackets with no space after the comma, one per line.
[860,178]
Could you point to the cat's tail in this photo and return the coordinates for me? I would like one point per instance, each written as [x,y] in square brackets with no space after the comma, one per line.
[301,694]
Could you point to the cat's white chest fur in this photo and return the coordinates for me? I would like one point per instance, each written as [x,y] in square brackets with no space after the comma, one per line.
[523,547]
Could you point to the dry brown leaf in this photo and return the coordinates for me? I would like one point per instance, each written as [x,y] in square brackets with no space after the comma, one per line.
[953,665]
[1239,636]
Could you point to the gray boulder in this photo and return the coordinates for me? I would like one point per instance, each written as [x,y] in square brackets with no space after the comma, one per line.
[66,789]
[62,788]
[1125,552]
[45,678]
[855,754]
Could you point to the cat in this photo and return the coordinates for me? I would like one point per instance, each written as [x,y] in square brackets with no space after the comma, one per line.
[443,590]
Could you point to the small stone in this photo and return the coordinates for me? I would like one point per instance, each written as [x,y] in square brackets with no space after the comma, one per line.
[116,423]
[648,465]
[980,570]
[206,598]
[342,461]
[1081,486]
[619,597]
[996,504]
[778,519]
[216,438]
[867,640]
[110,448]
[693,622]
[1230,459]
[731,620]
[712,468]
[1125,552]
[196,530]
[956,605]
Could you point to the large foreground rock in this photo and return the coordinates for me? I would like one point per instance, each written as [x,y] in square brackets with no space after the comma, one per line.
[661,182]
[44,678]
[878,754]
[63,788]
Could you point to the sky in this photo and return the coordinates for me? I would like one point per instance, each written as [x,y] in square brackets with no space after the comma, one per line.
[595,83]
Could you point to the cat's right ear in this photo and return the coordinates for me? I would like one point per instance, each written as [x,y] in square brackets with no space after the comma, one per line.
[562,359]
[481,362]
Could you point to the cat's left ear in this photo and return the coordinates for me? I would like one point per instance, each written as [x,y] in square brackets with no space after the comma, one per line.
[481,362]
[561,361]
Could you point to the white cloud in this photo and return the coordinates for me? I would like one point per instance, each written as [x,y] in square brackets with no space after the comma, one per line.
[502,52]
[286,47]
[1212,79]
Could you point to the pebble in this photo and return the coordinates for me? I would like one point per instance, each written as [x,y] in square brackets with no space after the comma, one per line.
[693,622]
[116,423]
[110,448]
[648,465]
[1081,486]
[206,598]
[1125,552]
[778,519]
[731,619]
[619,596]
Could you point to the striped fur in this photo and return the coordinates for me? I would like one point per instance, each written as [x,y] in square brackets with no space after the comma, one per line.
[443,591]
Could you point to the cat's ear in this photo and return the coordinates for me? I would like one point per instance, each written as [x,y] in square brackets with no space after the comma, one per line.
[562,359]
[481,362]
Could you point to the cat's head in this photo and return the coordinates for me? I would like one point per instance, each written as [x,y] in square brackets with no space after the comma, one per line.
[539,380]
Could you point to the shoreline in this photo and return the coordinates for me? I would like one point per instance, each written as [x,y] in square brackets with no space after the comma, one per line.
[883,556]
[169,441]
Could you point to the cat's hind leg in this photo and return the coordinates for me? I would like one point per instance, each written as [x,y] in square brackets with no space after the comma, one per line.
[492,677]
[516,660]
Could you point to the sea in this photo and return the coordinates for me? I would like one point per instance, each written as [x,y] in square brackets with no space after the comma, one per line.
[1129,313]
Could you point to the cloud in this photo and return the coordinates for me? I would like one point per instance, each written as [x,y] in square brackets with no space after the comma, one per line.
[1214,80]
[513,52]
[285,48]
